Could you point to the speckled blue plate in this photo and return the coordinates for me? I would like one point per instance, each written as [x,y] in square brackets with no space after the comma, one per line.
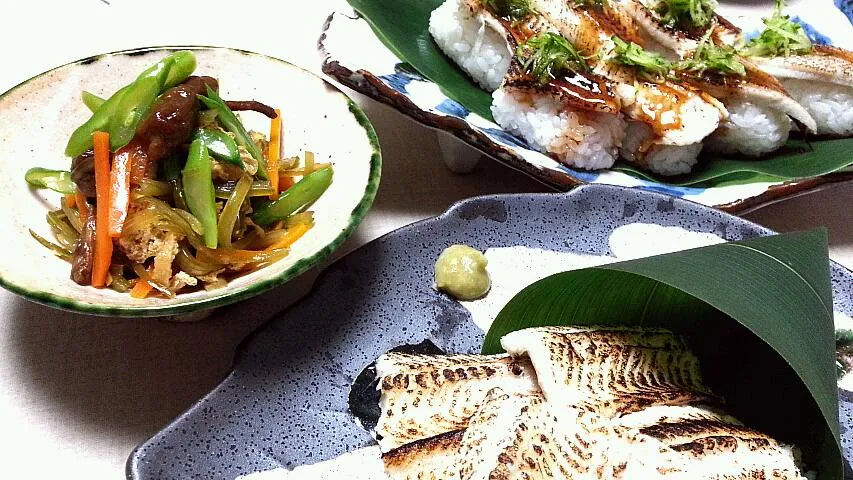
[285,402]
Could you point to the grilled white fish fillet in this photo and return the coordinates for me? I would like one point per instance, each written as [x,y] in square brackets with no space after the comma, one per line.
[822,81]
[610,371]
[705,444]
[426,395]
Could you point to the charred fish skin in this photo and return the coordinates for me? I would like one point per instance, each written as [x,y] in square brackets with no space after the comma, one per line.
[422,396]
[426,459]
[611,372]
[644,414]
[703,442]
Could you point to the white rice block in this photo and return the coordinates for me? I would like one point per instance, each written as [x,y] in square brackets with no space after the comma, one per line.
[831,105]
[657,158]
[587,140]
[752,129]
[474,41]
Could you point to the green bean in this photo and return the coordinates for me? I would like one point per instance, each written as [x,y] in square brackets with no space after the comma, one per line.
[183,67]
[137,102]
[92,101]
[231,211]
[259,188]
[231,123]
[198,188]
[220,145]
[56,180]
[303,193]
[81,139]
[121,113]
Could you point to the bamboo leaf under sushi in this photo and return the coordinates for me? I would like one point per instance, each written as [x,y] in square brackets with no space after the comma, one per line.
[758,313]
[798,161]
[403,27]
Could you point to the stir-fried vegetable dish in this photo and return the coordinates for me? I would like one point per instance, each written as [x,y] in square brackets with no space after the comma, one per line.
[168,192]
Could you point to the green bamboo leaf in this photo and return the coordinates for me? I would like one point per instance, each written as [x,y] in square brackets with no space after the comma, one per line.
[758,313]
[402,25]
[796,162]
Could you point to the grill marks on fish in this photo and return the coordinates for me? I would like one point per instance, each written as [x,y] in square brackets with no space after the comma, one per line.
[578,90]
[422,396]
[824,64]
[611,372]
[614,403]
[756,87]
[426,459]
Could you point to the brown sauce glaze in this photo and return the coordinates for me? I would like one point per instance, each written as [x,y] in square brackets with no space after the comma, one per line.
[655,101]
[613,22]
[576,90]
[754,77]
[521,31]
[833,52]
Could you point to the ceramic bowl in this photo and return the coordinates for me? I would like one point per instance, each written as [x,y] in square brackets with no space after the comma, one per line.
[37,117]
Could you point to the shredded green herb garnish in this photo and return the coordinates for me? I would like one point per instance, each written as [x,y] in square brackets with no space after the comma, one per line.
[686,13]
[781,37]
[510,9]
[547,55]
[596,4]
[633,55]
[711,57]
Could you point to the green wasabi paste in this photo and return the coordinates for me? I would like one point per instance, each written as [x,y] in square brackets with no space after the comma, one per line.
[460,271]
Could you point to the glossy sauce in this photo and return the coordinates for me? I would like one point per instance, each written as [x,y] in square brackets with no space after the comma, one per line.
[580,90]
[612,22]
[589,92]
[659,106]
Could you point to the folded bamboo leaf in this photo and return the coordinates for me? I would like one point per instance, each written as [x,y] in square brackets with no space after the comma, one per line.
[758,313]
[402,25]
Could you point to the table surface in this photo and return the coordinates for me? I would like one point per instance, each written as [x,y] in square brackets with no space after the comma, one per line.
[78,393]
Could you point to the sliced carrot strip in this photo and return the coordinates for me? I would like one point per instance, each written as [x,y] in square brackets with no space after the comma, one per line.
[273,152]
[141,288]
[293,234]
[82,205]
[70,199]
[284,182]
[103,241]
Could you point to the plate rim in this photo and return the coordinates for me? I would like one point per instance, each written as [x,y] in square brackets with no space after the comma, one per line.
[376,89]
[262,285]
[241,349]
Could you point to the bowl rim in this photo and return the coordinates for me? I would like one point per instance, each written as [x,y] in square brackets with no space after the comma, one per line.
[227,297]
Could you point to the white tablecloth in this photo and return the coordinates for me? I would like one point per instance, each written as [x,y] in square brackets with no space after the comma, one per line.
[77,393]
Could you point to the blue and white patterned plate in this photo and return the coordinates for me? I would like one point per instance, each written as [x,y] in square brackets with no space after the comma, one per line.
[357,58]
